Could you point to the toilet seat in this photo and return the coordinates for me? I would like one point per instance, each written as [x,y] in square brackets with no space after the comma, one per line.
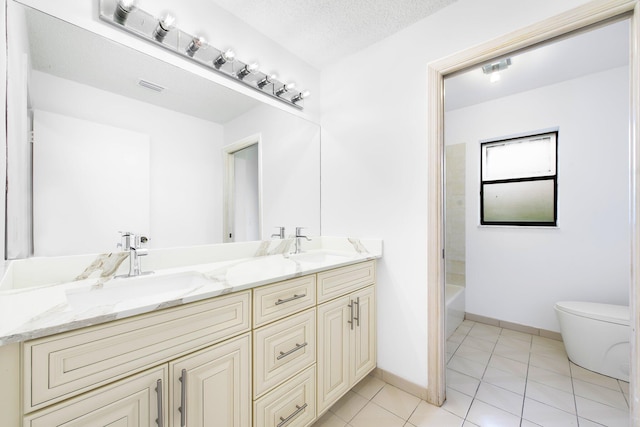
[618,314]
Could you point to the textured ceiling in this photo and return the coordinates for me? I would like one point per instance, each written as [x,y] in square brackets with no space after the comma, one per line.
[322,31]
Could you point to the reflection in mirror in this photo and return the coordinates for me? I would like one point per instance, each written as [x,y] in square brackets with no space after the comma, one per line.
[125,142]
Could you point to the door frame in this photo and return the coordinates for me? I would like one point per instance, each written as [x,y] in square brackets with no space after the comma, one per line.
[228,152]
[592,13]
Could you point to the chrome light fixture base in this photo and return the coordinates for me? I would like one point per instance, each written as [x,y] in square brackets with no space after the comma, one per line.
[128,16]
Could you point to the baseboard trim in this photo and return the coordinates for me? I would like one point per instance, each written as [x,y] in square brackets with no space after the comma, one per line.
[513,326]
[400,383]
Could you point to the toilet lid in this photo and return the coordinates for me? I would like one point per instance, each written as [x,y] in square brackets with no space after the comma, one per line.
[618,314]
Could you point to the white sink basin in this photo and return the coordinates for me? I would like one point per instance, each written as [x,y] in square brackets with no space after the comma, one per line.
[140,291]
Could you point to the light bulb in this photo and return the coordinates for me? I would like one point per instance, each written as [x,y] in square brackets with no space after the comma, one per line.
[123,8]
[299,97]
[268,79]
[248,69]
[285,88]
[196,43]
[226,56]
[495,77]
[165,24]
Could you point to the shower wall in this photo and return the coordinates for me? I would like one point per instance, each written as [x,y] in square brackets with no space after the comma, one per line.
[455,166]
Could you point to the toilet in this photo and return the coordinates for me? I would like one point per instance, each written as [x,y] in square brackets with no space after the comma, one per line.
[596,336]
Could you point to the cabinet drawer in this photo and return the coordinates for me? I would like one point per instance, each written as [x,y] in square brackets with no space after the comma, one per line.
[282,349]
[135,401]
[291,405]
[334,283]
[65,365]
[276,301]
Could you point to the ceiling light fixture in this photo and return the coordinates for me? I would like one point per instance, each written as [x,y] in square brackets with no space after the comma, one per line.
[493,69]
[226,56]
[268,79]
[163,33]
[285,88]
[123,9]
[196,43]
[248,69]
[299,97]
[165,24]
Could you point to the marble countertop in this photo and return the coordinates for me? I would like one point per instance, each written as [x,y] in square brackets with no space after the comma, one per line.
[95,297]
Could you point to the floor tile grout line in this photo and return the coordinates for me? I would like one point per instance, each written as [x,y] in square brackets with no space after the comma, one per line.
[526,382]
[475,395]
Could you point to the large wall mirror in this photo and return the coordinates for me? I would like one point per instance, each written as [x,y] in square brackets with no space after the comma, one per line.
[103,138]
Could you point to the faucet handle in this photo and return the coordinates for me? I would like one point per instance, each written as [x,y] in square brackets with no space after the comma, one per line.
[125,240]
[139,240]
[280,233]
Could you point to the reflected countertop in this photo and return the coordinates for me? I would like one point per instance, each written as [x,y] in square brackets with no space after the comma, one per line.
[31,307]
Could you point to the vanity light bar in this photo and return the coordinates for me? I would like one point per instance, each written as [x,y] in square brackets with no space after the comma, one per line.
[126,15]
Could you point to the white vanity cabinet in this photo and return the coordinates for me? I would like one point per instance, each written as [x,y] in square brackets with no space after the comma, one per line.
[277,355]
[346,330]
[88,376]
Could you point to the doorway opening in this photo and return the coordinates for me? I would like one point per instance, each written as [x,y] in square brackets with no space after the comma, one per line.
[594,13]
[243,190]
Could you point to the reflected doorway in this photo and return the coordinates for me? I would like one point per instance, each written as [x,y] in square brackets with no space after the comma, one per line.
[243,194]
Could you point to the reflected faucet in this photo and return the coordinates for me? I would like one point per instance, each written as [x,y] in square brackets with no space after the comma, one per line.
[133,243]
[299,238]
[280,234]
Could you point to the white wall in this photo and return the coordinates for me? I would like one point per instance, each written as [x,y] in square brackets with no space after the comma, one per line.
[517,274]
[374,157]
[185,166]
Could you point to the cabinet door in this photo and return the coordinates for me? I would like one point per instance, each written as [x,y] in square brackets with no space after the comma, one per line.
[334,332]
[363,337]
[139,401]
[213,386]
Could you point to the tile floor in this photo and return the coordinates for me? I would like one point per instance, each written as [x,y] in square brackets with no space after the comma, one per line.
[495,377]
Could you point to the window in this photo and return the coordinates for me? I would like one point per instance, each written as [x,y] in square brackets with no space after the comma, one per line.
[519,181]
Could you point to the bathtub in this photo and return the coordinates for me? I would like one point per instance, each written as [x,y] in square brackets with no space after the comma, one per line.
[454,307]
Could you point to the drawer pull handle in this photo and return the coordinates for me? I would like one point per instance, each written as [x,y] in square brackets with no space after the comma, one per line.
[183,399]
[357,318]
[299,409]
[296,348]
[294,297]
[350,314]
[160,419]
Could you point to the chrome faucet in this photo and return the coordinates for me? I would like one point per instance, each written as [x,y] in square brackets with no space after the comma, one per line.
[280,234]
[299,238]
[133,243]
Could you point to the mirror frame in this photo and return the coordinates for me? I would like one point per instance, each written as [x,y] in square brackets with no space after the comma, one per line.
[593,13]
